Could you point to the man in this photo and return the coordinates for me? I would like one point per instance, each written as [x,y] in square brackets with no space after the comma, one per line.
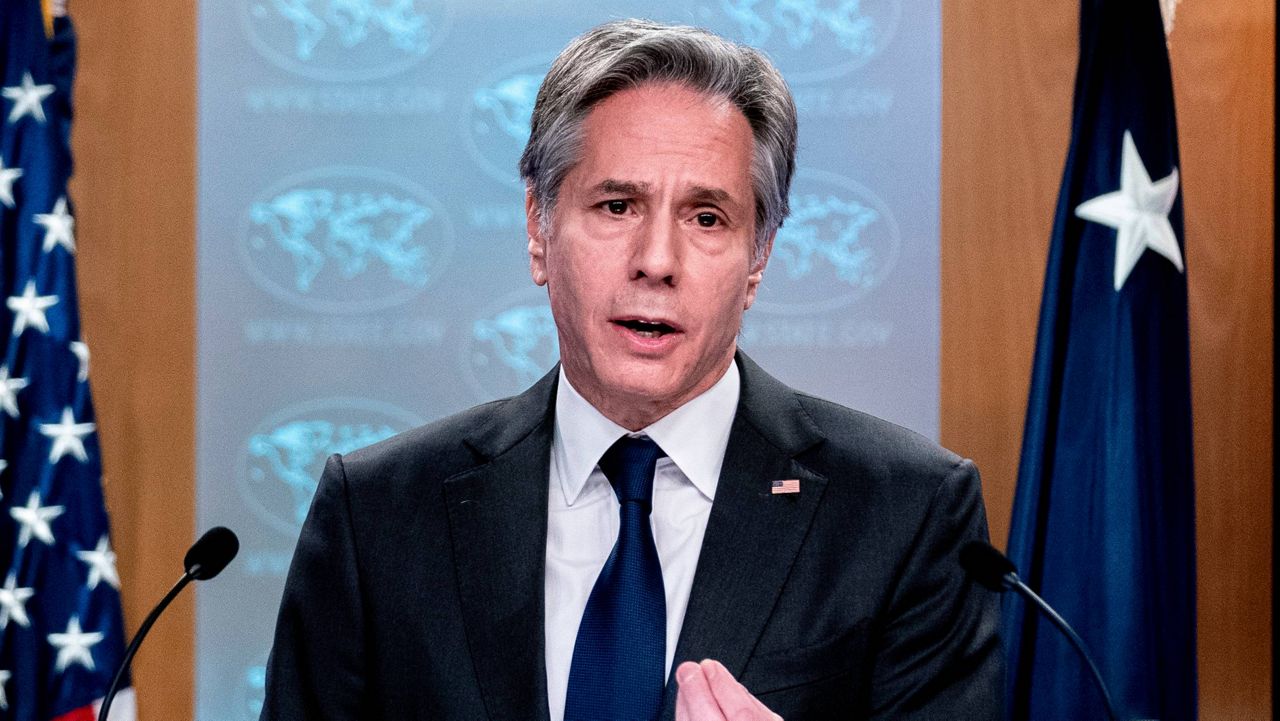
[657,500]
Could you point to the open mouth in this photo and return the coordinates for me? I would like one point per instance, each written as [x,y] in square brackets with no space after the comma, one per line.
[646,328]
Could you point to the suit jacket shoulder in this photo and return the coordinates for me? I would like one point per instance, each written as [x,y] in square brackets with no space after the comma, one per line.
[421,558]
[872,443]
[397,467]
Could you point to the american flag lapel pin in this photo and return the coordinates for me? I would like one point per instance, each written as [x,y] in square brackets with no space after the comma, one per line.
[790,485]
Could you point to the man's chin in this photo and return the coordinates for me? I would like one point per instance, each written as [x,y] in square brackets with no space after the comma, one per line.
[643,388]
[652,387]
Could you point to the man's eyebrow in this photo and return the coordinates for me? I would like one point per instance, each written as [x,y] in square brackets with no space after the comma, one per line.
[697,193]
[609,186]
[701,192]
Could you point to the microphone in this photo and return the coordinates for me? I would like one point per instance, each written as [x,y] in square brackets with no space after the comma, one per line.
[209,555]
[992,569]
[205,559]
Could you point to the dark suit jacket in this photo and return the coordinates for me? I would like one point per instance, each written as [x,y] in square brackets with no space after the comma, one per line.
[416,590]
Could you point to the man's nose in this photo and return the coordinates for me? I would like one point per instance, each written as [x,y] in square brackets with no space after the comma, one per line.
[655,254]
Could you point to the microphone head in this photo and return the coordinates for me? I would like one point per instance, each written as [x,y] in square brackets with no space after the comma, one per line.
[986,565]
[209,555]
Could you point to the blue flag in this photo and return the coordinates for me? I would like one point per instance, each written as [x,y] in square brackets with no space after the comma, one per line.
[1103,520]
[61,635]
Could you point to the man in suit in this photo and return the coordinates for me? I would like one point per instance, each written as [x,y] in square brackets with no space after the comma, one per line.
[657,528]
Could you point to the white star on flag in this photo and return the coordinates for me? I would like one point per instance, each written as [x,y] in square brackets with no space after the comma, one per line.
[68,437]
[102,564]
[9,388]
[4,700]
[1139,211]
[7,178]
[35,520]
[29,309]
[27,98]
[81,349]
[58,227]
[73,645]
[13,603]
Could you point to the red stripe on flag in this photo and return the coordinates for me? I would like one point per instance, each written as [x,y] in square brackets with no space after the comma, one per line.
[84,713]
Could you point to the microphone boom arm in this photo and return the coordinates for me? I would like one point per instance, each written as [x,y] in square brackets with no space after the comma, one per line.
[137,641]
[1012,582]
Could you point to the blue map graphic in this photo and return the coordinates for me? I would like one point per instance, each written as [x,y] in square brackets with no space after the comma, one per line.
[799,20]
[523,338]
[827,228]
[510,103]
[316,227]
[352,21]
[295,452]
[253,689]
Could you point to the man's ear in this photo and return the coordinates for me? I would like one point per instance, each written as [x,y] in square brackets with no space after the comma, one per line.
[537,243]
[757,270]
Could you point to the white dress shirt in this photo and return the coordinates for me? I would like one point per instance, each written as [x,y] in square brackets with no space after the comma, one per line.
[582,513]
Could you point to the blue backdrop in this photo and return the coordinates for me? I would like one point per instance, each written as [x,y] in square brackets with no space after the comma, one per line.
[361,245]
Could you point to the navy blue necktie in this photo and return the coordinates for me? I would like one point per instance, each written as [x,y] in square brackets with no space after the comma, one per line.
[621,650]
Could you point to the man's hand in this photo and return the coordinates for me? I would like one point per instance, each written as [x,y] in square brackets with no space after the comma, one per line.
[708,692]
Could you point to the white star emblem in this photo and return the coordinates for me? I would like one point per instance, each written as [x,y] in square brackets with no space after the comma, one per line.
[9,388]
[102,564]
[13,603]
[4,700]
[73,645]
[27,98]
[29,309]
[7,177]
[58,227]
[68,437]
[1139,211]
[35,520]
[81,349]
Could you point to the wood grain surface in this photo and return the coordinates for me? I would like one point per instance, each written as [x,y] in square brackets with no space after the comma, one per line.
[134,192]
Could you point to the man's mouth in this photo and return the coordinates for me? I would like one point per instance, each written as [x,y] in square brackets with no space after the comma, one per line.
[646,328]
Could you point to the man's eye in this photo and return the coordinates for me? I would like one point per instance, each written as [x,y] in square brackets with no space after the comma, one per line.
[617,207]
[708,220]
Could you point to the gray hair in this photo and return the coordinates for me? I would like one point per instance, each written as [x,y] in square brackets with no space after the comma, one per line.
[624,54]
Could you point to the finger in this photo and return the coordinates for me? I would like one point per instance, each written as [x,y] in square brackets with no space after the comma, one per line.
[694,700]
[734,700]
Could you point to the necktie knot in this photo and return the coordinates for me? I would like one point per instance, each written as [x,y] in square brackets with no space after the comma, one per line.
[629,466]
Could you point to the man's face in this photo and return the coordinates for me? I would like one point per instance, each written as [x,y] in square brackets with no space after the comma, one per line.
[649,266]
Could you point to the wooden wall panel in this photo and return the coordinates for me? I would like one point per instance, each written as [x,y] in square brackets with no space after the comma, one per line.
[1008,68]
[1008,71]
[1223,61]
[134,192]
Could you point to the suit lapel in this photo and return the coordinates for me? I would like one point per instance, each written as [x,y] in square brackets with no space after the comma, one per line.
[498,523]
[753,535]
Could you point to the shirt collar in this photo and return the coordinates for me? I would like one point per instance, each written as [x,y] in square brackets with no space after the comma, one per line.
[694,436]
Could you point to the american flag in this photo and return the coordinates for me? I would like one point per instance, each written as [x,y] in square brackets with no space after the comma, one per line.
[791,485]
[61,634]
